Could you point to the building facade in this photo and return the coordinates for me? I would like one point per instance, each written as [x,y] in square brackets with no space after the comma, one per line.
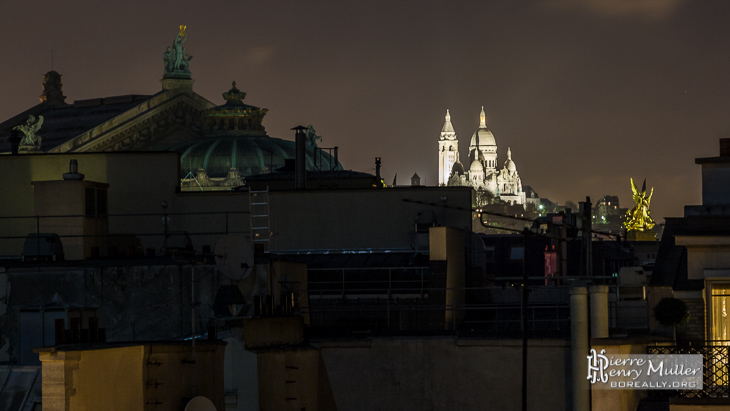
[220,146]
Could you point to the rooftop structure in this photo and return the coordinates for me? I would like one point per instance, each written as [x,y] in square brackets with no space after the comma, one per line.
[219,145]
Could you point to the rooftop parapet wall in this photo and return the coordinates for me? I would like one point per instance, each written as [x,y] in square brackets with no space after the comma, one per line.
[445,373]
[131,376]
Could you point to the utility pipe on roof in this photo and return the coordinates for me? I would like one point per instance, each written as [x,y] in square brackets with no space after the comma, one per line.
[300,158]
[579,347]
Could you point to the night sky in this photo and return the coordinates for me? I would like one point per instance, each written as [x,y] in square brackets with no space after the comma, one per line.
[587,93]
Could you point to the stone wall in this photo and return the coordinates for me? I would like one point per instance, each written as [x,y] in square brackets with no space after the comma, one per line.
[695,328]
[446,373]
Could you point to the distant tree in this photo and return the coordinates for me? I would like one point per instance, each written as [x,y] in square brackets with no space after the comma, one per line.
[486,197]
[672,312]
[531,211]
[547,206]
[614,221]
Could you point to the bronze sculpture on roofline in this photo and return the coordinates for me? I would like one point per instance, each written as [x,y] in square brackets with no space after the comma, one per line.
[177,62]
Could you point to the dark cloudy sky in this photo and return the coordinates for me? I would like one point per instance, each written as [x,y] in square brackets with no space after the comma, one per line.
[587,93]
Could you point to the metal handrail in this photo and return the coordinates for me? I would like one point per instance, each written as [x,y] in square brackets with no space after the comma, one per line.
[716,368]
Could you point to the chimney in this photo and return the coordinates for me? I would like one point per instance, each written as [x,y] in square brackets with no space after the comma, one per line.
[586,209]
[725,147]
[377,169]
[73,171]
[300,159]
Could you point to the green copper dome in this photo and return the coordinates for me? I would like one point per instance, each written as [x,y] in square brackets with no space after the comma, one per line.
[251,155]
[234,137]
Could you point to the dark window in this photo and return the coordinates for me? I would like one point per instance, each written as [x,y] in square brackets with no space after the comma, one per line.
[95,203]
[90,209]
[101,202]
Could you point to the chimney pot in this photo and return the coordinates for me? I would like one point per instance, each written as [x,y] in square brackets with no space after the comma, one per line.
[725,147]
[73,171]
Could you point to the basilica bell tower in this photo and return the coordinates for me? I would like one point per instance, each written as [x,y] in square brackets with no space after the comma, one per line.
[448,150]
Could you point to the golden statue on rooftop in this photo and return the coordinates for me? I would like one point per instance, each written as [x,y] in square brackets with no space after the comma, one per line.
[639,217]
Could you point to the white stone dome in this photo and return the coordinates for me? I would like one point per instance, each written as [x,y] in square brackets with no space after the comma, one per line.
[483,137]
[509,164]
[458,168]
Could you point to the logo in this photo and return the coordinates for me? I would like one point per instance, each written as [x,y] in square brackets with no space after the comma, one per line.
[655,371]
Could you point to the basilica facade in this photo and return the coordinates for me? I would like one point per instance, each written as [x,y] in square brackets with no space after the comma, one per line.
[482,173]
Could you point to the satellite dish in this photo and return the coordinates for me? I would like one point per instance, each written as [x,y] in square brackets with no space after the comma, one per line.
[234,256]
[200,404]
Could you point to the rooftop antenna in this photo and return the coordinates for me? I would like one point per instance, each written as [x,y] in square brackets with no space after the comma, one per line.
[193,262]
[191,176]
[234,256]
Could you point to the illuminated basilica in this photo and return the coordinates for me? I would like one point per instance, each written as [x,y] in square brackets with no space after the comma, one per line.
[483,175]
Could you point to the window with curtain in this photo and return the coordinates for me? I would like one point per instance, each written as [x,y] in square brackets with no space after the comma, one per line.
[719,306]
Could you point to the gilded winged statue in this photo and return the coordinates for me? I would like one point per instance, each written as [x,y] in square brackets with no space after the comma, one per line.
[639,217]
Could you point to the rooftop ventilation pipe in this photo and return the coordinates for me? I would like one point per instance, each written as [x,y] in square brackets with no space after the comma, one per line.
[300,160]
[73,171]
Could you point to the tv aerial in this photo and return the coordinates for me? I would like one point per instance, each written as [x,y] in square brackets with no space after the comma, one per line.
[234,256]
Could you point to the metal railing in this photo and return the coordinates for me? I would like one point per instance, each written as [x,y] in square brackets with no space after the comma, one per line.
[716,369]
[399,300]
[115,233]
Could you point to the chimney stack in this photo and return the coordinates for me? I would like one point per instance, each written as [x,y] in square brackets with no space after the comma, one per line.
[73,171]
[725,147]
